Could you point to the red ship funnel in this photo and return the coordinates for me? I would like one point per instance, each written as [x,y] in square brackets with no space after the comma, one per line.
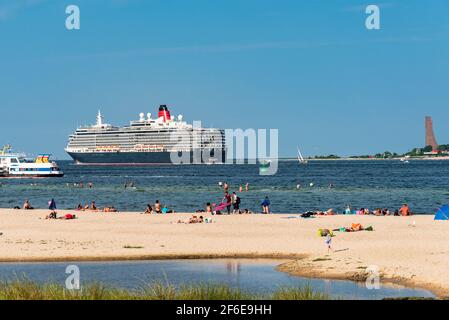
[164,113]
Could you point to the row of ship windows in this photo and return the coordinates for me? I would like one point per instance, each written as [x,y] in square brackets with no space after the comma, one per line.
[154,133]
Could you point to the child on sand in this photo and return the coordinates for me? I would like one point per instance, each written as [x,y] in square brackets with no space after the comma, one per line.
[328,242]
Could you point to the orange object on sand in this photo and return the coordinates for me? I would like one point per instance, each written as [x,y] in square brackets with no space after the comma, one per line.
[356,226]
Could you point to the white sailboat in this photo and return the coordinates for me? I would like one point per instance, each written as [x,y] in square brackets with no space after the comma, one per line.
[301,158]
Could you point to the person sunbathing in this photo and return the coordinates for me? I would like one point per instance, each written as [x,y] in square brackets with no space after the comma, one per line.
[405,210]
[166,210]
[110,209]
[52,215]
[157,207]
[68,216]
[93,207]
[209,208]
[195,219]
[149,209]
[27,205]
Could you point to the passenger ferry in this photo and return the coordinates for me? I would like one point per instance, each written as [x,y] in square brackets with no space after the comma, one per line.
[146,141]
[15,165]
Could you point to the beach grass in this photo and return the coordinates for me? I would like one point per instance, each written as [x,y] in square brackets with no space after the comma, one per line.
[301,293]
[28,290]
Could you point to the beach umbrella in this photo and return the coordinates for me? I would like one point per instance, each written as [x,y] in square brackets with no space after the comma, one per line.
[442,213]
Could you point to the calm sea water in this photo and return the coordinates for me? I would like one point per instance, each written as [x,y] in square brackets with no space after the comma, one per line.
[256,276]
[422,184]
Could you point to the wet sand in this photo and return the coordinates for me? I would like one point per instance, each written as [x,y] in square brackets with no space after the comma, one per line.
[413,254]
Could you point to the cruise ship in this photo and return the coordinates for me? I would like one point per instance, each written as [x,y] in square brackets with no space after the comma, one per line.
[161,140]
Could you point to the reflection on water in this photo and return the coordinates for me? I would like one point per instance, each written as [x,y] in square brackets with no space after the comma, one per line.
[253,275]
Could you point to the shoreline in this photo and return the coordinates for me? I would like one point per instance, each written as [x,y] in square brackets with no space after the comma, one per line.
[406,253]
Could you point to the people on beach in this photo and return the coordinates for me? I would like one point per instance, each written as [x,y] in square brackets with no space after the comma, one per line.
[110,209]
[265,205]
[405,210]
[228,201]
[209,208]
[235,203]
[166,210]
[54,215]
[194,219]
[157,207]
[328,241]
[93,206]
[149,209]
[27,205]
[52,205]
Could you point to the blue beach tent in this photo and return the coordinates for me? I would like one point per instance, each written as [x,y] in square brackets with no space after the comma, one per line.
[442,213]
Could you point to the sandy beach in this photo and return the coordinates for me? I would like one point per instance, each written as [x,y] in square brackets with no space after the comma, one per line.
[413,254]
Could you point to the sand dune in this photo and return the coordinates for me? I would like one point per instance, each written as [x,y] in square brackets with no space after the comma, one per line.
[414,254]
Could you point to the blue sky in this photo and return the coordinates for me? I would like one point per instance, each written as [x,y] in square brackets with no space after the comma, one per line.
[309,68]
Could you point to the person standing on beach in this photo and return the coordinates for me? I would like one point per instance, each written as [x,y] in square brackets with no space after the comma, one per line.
[235,203]
[228,201]
[266,205]
[52,205]
[328,242]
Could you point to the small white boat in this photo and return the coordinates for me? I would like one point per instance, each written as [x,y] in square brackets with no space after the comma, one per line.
[15,165]
[301,158]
